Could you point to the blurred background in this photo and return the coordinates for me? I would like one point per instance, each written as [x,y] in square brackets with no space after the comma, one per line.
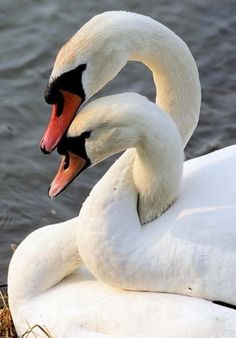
[31,34]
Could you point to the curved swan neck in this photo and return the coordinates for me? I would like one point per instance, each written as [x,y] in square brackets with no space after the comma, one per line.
[140,124]
[109,40]
[175,73]
[157,166]
[50,254]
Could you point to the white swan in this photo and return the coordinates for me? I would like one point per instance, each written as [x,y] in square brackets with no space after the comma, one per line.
[191,248]
[44,287]
[41,292]
[98,51]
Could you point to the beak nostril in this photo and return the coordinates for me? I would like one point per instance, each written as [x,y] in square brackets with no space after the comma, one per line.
[67,161]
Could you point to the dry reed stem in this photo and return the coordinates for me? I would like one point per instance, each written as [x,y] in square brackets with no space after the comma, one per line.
[7,329]
[31,330]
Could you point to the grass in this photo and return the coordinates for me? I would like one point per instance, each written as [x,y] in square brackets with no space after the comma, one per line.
[7,328]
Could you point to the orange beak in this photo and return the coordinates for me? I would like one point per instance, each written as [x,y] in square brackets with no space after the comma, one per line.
[58,124]
[71,166]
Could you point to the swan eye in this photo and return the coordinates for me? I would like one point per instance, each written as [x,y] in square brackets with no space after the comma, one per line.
[86,134]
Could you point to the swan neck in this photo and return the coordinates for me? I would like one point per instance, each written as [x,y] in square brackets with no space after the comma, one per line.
[42,260]
[174,71]
[157,171]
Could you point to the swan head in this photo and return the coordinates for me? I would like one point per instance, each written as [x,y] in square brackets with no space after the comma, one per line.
[115,123]
[90,59]
[102,128]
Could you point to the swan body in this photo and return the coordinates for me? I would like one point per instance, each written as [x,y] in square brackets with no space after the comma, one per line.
[193,240]
[179,252]
[47,285]
[46,289]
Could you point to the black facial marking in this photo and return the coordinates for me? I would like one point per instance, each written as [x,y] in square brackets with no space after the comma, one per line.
[70,81]
[230,306]
[76,145]
[60,104]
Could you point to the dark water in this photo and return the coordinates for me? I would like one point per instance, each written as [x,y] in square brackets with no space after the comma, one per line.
[31,33]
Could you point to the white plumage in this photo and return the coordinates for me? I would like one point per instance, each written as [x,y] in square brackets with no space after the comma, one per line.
[189,250]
